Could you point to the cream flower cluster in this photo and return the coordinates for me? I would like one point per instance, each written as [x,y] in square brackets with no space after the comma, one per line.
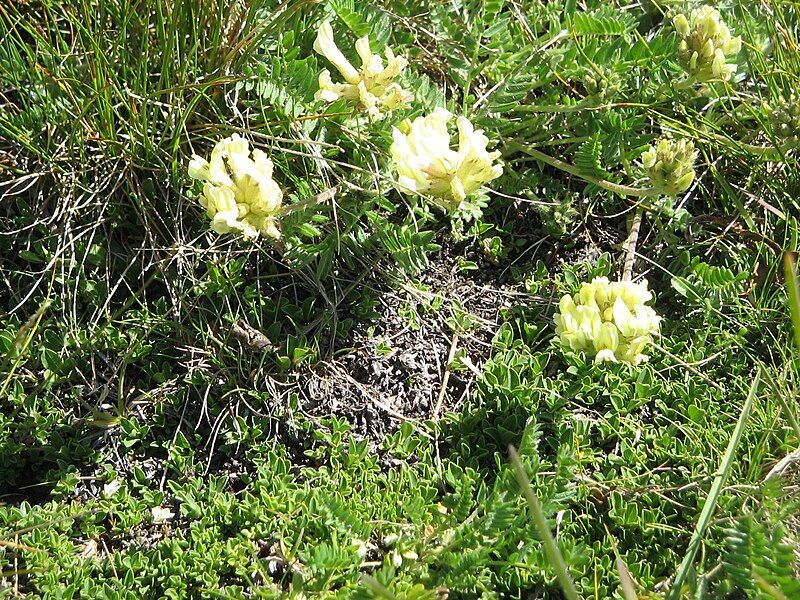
[706,44]
[426,164]
[239,193]
[609,320]
[372,85]
[670,165]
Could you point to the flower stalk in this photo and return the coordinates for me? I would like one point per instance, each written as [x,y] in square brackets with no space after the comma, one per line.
[622,190]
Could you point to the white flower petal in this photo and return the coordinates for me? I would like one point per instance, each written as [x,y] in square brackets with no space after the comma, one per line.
[325,45]
[161,514]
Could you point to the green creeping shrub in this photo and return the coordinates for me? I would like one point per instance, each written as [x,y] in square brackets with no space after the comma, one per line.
[700,283]
[283,82]
[144,433]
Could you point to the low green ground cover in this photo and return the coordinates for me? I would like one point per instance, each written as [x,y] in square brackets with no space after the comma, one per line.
[185,414]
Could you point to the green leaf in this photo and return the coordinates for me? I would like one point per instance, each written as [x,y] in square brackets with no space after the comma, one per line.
[588,159]
[605,22]
[793,292]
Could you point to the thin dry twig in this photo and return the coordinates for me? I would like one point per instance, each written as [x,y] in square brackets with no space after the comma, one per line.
[445,378]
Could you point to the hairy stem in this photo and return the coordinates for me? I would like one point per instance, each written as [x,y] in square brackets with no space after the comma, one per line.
[622,190]
[306,202]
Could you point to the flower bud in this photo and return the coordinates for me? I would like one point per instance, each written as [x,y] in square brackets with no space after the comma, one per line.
[601,85]
[706,44]
[785,120]
[670,165]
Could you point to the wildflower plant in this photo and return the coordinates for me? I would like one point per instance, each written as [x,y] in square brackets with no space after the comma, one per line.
[239,193]
[426,163]
[670,165]
[706,44]
[372,87]
[222,327]
[608,320]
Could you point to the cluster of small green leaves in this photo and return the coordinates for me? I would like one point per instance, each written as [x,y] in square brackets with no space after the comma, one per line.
[759,560]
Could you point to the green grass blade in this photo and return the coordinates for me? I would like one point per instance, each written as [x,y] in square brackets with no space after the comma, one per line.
[793,291]
[714,492]
[550,548]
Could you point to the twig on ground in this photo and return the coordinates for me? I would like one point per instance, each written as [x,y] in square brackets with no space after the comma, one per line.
[445,378]
[630,245]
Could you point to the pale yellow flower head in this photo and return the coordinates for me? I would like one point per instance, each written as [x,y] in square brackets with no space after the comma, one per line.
[239,193]
[372,86]
[706,44]
[426,164]
[670,165]
[608,320]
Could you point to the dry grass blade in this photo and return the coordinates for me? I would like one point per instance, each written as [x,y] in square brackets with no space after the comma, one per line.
[627,586]
[21,342]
